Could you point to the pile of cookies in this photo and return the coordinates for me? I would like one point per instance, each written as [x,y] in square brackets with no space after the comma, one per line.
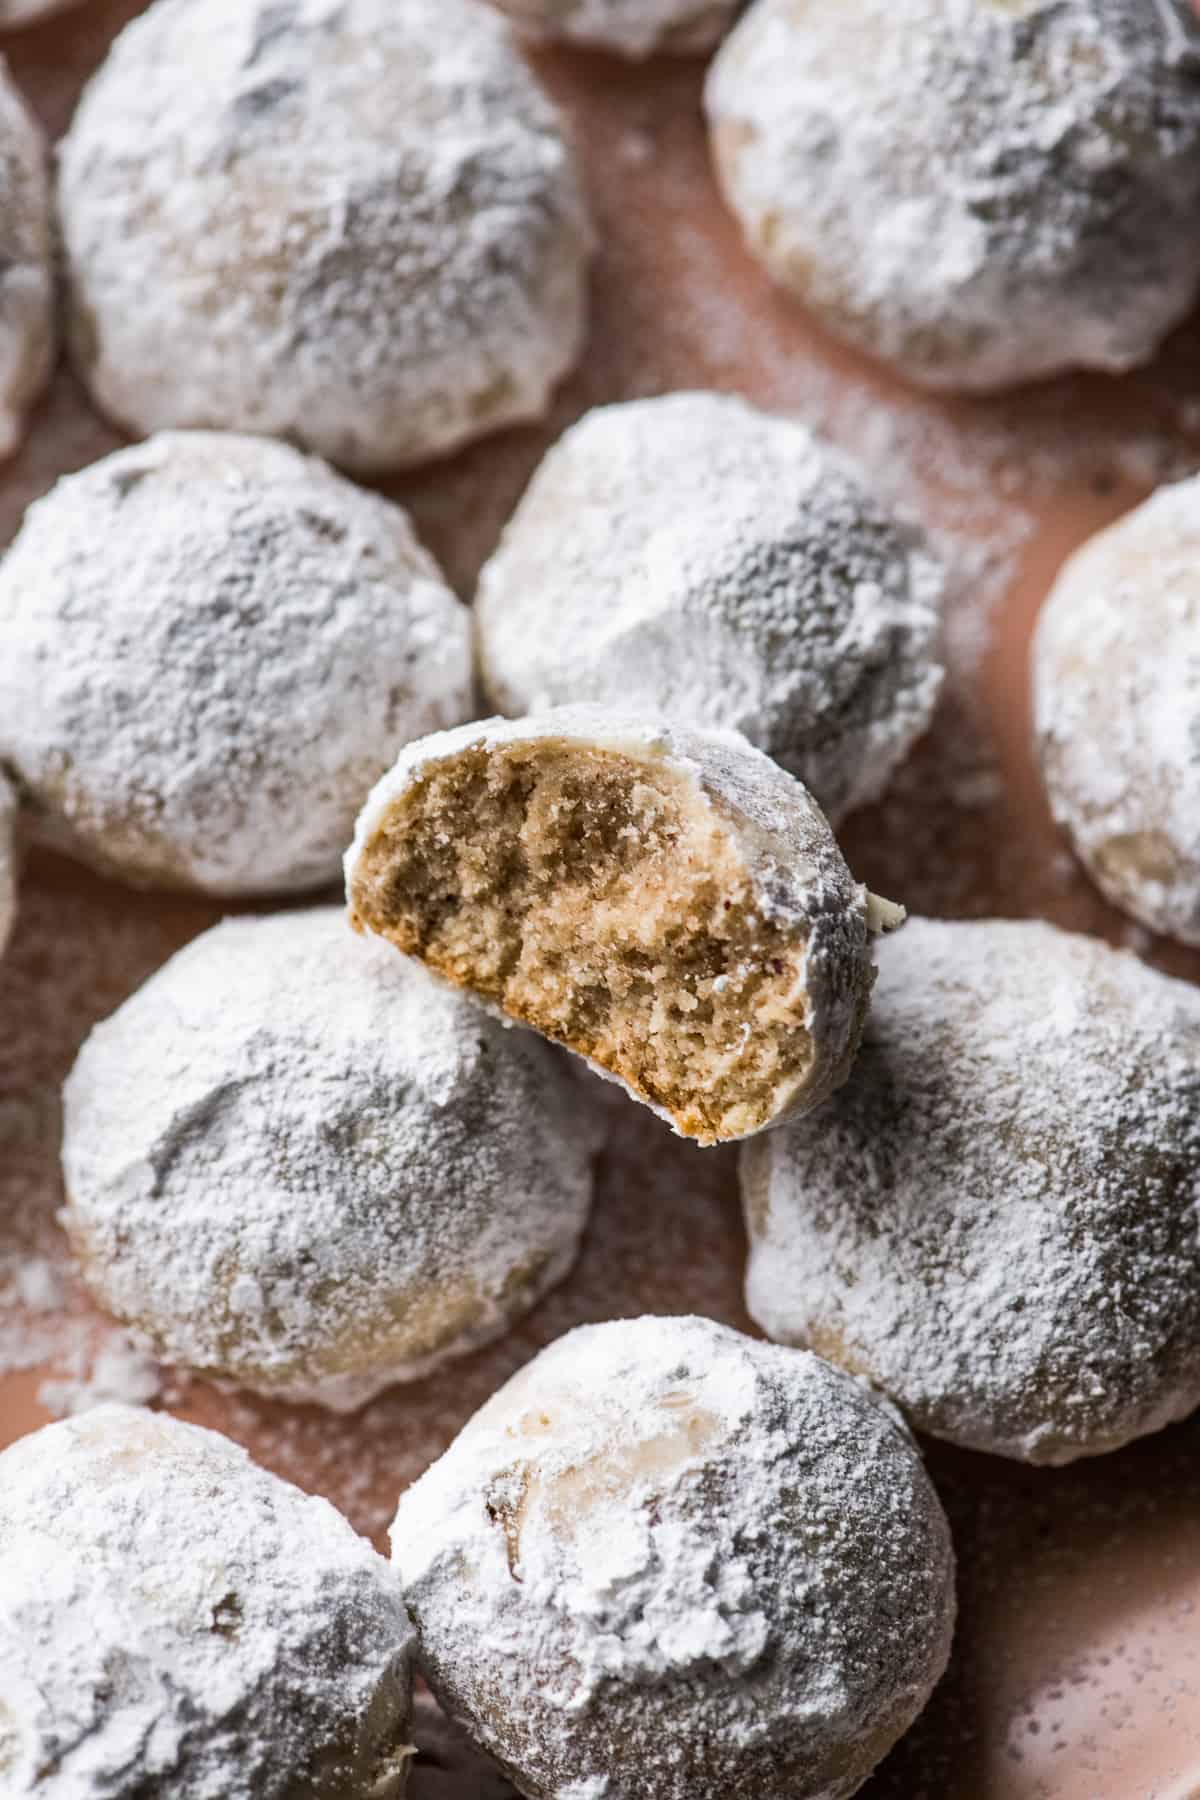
[325,1150]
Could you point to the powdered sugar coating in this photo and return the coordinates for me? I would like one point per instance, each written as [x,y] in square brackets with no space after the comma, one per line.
[790,854]
[693,556]
[26,268]
[212,646]
[354,223]
[8,862]
[1001,190]
[666,1562]
[1116,666]
[632,28]
[175,1621]
[996,1220]
[296,1162]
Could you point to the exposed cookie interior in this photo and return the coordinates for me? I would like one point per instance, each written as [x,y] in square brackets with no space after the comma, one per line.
[604,901]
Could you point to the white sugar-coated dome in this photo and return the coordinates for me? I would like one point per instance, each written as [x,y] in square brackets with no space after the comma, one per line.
[1116,665]
[8,862]
[694,557]
[210,647]
[354,223]
[667,1562]
[296,1162]
[995,1220]
[632,28]
[26,262]
[999,191]
[175,1621]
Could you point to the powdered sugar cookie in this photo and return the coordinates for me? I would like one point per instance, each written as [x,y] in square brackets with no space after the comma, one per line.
[670,1563]
[175,1621]
[666,902]
[295,1162]
[1116,665]
[995,1219]
[26,273]
[354,223]
[1000,190]
[212,646]
[694,557]
[633,28]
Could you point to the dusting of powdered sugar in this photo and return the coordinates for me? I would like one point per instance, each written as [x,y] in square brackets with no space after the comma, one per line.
[295,1161]
[697,558]
[211,647]
[666,1562]
[26,273]
[355,223]
[1117,705]
[633,28]
[996,1218]
[174,1619]
[1002,190]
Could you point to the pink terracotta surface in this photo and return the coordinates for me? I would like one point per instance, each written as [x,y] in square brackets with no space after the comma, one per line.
[1076,1673]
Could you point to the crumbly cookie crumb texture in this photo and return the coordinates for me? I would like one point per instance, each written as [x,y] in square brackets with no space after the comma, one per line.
[995,1219]
[668,904]
[176,1621]
[669,1563]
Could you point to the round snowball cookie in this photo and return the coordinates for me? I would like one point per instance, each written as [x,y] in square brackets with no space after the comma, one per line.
[8,862]
[175,1621]
[995,1220]
[26,262]
[353,223]
[632,28]
[667,903]
[695,557]
[1002,190]
[1117,704]
[670,1563]
[295,1162]
[212,647]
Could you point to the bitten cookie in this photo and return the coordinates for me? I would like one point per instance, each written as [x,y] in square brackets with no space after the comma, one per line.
[999,191]
[353,223]
[1116,664]
[26,267]
[295,1162]
[210,647]
[995,1220]
[666,1562]
[668,903]
[175,1621]
[694,557]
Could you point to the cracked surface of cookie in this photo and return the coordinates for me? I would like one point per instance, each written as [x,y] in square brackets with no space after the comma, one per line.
[26,262]
[297,1163]
[176,1621]
[666,902]
[1002,190]
[693,556]
[212,647]
[667,1562]
[352,223]
[1116,665]
[995,1220]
